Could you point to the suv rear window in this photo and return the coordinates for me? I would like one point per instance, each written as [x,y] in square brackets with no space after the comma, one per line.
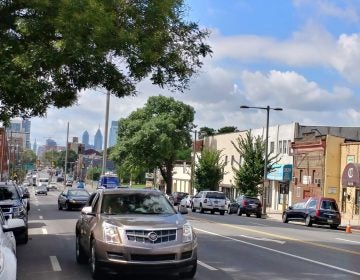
[217,195]
[329,205]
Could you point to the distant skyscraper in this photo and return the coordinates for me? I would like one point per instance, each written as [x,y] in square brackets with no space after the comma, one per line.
[34,147]
[26,125]
[85,139]
[113,133]
[98,140]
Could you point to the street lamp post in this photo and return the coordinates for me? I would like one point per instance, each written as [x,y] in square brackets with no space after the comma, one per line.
[267,108]
[191,185]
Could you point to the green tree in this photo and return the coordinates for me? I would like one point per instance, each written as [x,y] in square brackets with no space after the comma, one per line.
[51,157]
[209,170]
[206,131]
[227,129]
[28,156]
[72,157]
[250,174]
[51,50]
[93,173]
[152,136]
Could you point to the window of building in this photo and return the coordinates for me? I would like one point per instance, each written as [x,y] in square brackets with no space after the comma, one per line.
[284,146]
[272,146]
[226,160]
[280,147]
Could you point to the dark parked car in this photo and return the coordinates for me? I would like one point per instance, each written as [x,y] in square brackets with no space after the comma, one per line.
[178,196]
[13,206]
[26,200]
[246,205]
[71,198]
[320,210]
[135,231]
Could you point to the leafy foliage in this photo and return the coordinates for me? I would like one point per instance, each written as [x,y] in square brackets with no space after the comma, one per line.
[152,136]
[29,156]
[209,170]
[93,173]
[227,129]
[72,157]
[250,174]
[206,131]
[51,50]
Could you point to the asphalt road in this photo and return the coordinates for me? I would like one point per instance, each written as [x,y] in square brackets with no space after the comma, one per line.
[230,247]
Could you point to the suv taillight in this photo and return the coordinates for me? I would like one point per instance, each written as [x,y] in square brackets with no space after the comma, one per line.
[259,205]
[317,213]
[244,203]
[205,200]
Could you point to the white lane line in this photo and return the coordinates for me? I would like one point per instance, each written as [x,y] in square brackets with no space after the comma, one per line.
[347,240]
[44,230]
[55,263]
[257,224]
[41,217]
[206,265]
[38,209]
[282,253]
[264,239]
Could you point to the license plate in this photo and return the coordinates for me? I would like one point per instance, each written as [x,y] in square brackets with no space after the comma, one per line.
[330,221]
[253,206]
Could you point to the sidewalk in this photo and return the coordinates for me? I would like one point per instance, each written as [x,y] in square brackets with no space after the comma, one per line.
[277,216]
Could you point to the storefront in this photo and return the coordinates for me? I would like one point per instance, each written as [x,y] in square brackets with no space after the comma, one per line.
[350,195]
[280,179]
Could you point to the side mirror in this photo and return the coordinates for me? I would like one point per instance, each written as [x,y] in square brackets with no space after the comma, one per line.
[87,210]
[290,208]
[182,210]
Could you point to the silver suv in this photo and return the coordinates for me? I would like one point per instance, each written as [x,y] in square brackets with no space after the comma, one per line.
[212,201]
[134,230]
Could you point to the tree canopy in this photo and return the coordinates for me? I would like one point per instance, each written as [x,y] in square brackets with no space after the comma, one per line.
[227,129]
[250,173]
[51,50]
[206,131]
[209,170]
[152,136]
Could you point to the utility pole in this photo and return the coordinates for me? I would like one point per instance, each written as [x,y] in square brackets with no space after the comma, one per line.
[66,153]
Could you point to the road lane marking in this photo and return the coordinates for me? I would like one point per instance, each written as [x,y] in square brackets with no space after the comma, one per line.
[264,239]
[38,209]
[206,266]
[41,217]
[281,236]
[44,230]
[347,240]
[282,253]
[55,263]
[257,224]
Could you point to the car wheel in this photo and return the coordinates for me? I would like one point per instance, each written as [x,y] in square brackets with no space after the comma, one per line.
[80,254]
[190,274]
[308,221]
[212,212]
[201,209]
[247,215]
[258,215]
[67,206]
[24,237]
[222,212]
[193,209]
[334,226]
[239,213]
[95,268]
[285,218]
[59,206]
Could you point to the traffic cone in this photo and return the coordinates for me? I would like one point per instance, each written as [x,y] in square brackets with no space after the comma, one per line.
[348,228]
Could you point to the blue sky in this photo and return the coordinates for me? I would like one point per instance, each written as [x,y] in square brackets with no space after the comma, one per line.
[301,55]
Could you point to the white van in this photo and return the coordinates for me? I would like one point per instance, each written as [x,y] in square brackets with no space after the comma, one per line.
[43,181]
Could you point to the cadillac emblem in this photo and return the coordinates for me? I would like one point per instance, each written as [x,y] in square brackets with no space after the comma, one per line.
[152,236]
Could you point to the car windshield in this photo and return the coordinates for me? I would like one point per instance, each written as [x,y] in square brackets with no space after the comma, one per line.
[8,193]
[217,195]
[136,203]
[78,193]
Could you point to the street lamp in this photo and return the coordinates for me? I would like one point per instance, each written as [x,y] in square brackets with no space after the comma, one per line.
[191,185]
[267,108]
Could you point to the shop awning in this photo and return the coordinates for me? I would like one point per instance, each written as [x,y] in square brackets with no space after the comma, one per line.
[351,175]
